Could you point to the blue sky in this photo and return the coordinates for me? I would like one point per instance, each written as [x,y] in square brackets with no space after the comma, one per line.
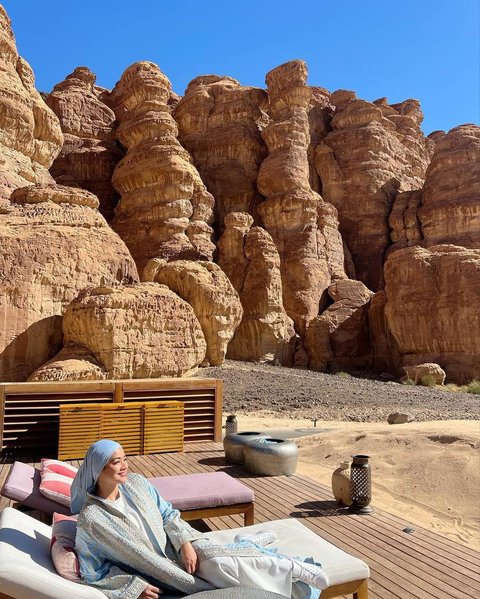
[425,49]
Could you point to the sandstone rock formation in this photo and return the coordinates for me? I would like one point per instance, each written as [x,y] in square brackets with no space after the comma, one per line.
[30,134]
[53,243]
[251,261]
[89,153]
[135,331]
[373,151]
[219,123]
[207,289]
[297,218]
[72,363]
[450,211]
[447,208]
[165,209]
[433,307]
[425,374]
[338,339]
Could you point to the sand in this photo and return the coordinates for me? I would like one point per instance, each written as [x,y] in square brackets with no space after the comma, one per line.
[426,472]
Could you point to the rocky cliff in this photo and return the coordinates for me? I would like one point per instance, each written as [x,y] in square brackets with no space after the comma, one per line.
[286,224]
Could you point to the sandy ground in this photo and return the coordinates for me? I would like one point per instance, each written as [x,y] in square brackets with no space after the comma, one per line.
[425,472]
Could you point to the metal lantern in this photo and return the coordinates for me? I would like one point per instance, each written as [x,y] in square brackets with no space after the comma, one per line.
[231,424]
[360,485]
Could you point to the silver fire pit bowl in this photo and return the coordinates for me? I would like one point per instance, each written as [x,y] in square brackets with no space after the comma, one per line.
[271,457]
[235,443]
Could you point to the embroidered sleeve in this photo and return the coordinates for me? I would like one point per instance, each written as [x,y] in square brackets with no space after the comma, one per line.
[177,530]
[97,571]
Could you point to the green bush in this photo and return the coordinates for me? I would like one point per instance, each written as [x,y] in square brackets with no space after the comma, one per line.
[407,381]
[474,387]
[428,380]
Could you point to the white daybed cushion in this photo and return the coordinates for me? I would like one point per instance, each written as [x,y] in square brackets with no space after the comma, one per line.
[26,569]
[296,540]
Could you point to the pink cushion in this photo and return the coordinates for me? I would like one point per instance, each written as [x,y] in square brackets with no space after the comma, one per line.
[62,547]
[209,489]
[22,485]
[56,487]
[59,467]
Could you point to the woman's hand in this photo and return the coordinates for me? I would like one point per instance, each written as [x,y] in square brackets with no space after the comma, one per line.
[150,592]
[189,557]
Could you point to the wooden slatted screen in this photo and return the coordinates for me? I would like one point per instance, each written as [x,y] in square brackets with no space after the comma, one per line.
[29,412]
[139,427]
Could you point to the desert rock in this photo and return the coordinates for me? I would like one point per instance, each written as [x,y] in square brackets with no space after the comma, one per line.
[399,418]
[296,216]
[165,209]
[425,374]
[89,153]
[339,338]
[207,289]
[54,243]
[219,123]
[136,331]
[373,151]
[251,261]
[72,363]
[433,307]
[30,134]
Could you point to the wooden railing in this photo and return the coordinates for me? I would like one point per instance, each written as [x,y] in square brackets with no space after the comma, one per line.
[29,412]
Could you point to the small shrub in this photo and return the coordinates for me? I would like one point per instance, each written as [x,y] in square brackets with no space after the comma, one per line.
[343,375]
[474,387]
[455,388]
[407,381]
[428,380]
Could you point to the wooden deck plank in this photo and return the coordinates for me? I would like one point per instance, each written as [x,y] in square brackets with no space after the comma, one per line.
[424,565]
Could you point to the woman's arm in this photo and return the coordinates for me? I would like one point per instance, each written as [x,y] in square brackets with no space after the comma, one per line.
[178,531]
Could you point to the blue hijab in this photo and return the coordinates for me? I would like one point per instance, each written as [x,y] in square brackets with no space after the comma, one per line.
[97,458]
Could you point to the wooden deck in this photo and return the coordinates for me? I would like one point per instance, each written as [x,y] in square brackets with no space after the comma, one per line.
[403,566]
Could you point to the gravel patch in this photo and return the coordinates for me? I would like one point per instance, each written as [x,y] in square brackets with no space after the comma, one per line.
[288,392]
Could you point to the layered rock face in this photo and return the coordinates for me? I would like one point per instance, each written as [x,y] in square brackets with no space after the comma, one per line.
[134,331]
[219,123]
[30,134]
[89,153]
[450,211]
[165,209]
[54,243]
[251,261]
[339,338]
[214,300]
[433,307]
[298,220]
[373,151]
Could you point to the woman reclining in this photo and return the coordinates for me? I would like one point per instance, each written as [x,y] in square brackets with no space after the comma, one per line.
[131,543]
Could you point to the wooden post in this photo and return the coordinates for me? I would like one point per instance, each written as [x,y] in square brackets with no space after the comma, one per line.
[118,393]
[218,411]
[2,413]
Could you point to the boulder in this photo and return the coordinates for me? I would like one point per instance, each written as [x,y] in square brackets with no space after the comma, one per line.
[134,331]
[165,209]
[399,418]
[207,289]
[89,153]
[53,243]
[72,363]
[338,339]
[30,134]
[428,374]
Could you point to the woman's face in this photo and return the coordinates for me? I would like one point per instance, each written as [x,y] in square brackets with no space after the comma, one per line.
[116,471]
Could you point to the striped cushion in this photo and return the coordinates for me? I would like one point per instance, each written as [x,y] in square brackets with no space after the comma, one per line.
[56,487]
[59,467]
